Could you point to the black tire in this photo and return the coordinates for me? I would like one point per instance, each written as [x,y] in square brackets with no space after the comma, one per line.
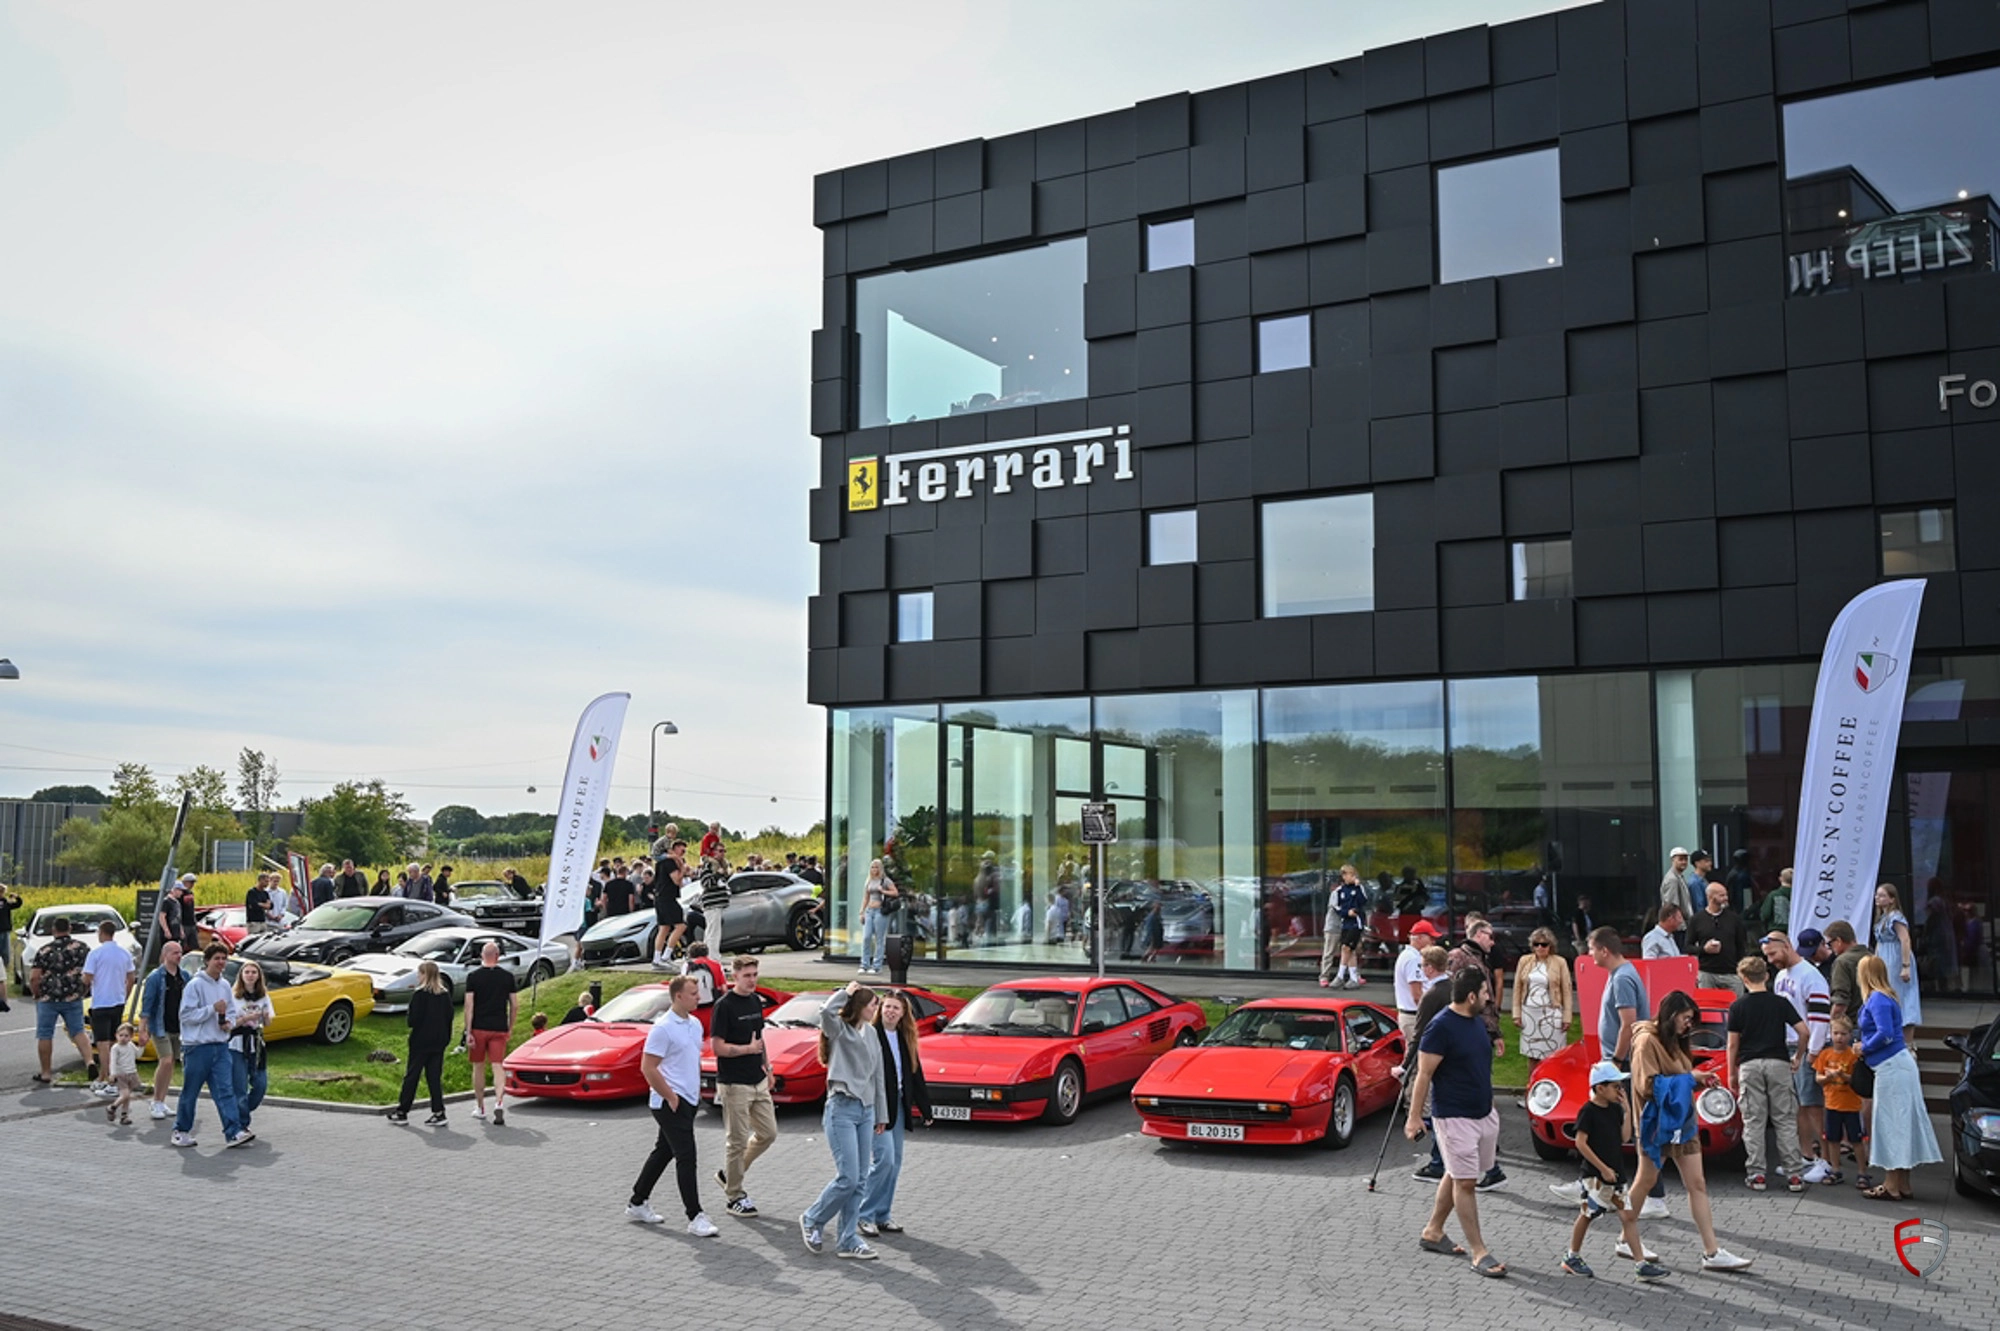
[1964,1186]
[336,1023]
[1066,1095]
[1186,1038]
[1341,1116]
[803,932]
[1547,1152]
[541,973]
[340,956]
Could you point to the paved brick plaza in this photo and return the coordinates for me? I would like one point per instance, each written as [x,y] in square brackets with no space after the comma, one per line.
[360,1225]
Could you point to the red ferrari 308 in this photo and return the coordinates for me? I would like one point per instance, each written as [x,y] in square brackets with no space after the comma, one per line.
[791,1039]
[1278,1071]
[598,1058]
[1031,1048]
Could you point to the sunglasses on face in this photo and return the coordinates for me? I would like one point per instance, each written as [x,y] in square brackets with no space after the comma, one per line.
[1541,946]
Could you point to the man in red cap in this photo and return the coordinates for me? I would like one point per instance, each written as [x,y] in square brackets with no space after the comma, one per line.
[1410,982]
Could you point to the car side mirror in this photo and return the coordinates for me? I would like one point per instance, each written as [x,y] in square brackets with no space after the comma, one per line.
[1094,1027]
[1362,1044]
[1395,1045]
[1957,1042]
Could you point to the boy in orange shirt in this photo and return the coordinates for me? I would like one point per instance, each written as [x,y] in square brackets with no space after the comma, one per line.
[1834,1068]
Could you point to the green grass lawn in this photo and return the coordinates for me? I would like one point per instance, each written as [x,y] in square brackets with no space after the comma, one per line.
[342,1074]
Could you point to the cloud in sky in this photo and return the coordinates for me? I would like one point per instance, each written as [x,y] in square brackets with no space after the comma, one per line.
[379,383]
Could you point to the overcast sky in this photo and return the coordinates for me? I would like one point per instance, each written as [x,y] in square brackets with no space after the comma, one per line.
[381,382]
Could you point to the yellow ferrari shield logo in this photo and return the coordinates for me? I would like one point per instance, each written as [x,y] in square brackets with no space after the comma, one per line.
[861,477]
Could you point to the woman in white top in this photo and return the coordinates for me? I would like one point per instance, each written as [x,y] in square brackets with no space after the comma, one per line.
[252,1012]
[874,925]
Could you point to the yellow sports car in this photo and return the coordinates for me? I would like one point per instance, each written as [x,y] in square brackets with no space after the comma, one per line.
[320,1001]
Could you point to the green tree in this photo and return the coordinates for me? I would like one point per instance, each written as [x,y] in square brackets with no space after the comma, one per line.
[256,790]
[128,845]
[133,786]
[362,821]
[209,787]
[68,795]
[454,821]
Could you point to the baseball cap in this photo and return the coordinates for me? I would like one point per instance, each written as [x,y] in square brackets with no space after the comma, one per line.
[1699,854]
[1677,850]
[1606,1071]
[1423,928]
[1809,941]
[186,880]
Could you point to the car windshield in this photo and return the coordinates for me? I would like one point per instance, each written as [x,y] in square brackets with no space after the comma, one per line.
[81,922]
[1042,1012]
[1712,1034]
[634,1005]
[480,892]
[438,947]
[1278,1028]
[339,916]
[801,1011]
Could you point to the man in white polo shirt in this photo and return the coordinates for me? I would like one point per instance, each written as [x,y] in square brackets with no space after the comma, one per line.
[1410,979]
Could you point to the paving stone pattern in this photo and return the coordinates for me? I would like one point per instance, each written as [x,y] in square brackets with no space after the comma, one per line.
[370,1226]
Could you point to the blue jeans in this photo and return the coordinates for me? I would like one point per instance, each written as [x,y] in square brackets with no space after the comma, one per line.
[878,1195]
[874,928]
[850,1130]
[208,1064]
[249,1084]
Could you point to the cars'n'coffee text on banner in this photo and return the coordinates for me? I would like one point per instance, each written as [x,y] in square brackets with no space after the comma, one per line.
[1851,756]
[1045,462]
[580,813]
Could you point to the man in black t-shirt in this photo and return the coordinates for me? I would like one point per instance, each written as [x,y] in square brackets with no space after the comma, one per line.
[1761,1072]
[490,1003]
[351,883]
[742,1082]
[619,895]
[257,906]
[669,921]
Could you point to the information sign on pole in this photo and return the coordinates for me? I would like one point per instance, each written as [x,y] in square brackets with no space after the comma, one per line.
[1100,824]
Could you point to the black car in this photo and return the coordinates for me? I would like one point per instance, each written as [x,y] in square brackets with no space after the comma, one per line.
[332,933]
[515,908]
[1975,1112]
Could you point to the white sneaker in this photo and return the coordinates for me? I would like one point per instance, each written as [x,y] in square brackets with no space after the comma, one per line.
[243,1138]
[1654,1209]
[1624,1250]
[1571,1191]
[103,1089]
[642,1213]
[860,1252]
[183,1139]
[1817,1172]
[159,1109]
[702,1227]
[480,1113]
[1724,1260]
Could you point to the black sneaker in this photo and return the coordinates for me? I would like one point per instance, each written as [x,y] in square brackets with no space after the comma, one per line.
[743,1208]
[434,1121]
[1430,1173]
[398,1117]
[722,1177]
[499,1117]
[1492,1178]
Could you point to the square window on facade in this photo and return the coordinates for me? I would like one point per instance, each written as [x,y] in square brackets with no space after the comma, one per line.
[1502,215]
[1170,537]
[913,617]
[1916,541]
[1319,555]
[1170,244]
[1541,571]
[1284,343]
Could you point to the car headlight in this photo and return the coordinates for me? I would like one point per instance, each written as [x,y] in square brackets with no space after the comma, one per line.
[1543,1097]
[597,1076]
[1146,1101]
[986,1093]
[1985,1125]
[1715,1105]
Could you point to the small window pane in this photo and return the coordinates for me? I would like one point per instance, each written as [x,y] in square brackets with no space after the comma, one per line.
[1319,556]
[1542,570]
[1917,541]
[1284,344]
[913,617]
[1502,215]
[1170,537]
[1170,244]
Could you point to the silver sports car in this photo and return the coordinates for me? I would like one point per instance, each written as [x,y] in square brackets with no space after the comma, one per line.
[456,950]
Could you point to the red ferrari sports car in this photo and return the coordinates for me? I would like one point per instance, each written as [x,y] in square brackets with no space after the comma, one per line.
[598,1058]
[1279,1071]
[1038,1047]
[791,1038]
[1562,1080]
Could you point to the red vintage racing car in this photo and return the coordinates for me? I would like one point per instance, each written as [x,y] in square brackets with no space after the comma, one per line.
[598,1058]
[791,1039]
[1030,1048]
[1278,1071]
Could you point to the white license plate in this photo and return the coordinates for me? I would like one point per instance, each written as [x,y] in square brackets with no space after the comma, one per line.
[1216,1132]
[952,1111]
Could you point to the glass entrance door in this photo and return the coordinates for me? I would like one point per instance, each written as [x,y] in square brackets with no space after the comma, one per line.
[1946,804]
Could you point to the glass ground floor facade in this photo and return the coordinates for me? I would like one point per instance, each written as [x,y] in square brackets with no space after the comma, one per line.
[1237,808]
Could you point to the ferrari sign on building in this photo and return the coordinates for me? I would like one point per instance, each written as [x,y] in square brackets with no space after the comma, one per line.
[1045,462]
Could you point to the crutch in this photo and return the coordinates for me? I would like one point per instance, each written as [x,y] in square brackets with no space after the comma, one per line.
[1395,1121]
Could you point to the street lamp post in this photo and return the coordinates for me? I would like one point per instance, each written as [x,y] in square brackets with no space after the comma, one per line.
[653,764]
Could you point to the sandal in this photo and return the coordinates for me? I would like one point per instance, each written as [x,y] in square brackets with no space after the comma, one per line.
[46,1081]
[1491,1267]
[1441,1245]
[1882,1194]
[1864,1181]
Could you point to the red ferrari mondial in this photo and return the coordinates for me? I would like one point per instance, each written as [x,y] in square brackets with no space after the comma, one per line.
[791,1038]
[1562,1084]
[598,1058]
[1038,1047]
[1277,1072]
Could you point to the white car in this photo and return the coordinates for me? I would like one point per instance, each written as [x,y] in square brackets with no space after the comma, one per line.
[456,950]
[84,917]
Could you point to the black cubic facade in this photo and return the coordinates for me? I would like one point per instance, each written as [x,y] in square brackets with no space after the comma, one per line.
[1446,462]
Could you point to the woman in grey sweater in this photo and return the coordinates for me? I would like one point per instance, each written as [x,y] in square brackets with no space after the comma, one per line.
[857,1107]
